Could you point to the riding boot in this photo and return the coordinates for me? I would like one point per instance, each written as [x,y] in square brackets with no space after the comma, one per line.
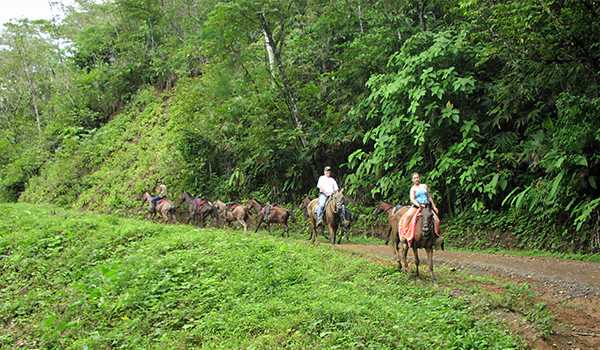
[151,209]
[320,221]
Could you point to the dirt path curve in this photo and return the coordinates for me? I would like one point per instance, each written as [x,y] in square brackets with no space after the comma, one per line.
[570,288]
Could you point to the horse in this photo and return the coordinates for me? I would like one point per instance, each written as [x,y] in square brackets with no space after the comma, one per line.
[276,215]
[331,215]
[235,212]
[424,237]
[254,204]
[390,210]
[304,206]
[164,206]
[347,219]
[198,206]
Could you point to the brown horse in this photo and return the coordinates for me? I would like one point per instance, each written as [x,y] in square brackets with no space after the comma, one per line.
[424,237]
[233,212]
[390,210]
[199,206]
[332,215]
[304,206]
[347,219]
[164,206]
[276,215]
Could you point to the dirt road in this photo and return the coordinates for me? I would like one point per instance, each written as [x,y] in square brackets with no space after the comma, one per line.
[570,289]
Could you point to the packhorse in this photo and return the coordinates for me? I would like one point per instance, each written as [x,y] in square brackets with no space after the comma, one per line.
[163,206]
[424,236]
[275,215]
[390,210]
[197,206]
[304,207]
[233,212]
[332,216]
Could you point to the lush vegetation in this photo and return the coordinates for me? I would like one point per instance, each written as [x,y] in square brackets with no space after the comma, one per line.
[496,104]
[73,280]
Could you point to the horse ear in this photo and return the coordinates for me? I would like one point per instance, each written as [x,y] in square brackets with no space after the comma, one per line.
[342,190]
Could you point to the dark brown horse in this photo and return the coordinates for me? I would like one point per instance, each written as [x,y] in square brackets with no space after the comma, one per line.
[389,209]
[304,206]
[424,237]
[276,215]
[347,219]
[233,212]
[197,206]
[164,206]
[332,216]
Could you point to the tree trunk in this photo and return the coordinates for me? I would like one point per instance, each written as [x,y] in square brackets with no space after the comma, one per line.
[286,86]
[271,55]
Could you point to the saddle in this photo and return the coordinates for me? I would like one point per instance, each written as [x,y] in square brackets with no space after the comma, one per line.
[199,201]
[316,209]
[232,206]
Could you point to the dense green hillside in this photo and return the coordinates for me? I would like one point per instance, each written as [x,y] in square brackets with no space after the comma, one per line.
[497,105]
[72,280]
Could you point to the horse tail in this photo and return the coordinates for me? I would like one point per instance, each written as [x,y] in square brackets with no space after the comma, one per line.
[291,214]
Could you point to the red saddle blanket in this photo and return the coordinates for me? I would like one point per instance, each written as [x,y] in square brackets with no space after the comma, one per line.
[409,233]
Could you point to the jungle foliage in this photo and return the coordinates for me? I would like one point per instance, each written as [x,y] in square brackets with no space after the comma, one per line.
[496,104]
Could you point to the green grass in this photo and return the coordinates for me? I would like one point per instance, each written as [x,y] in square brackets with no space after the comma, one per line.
[74,280]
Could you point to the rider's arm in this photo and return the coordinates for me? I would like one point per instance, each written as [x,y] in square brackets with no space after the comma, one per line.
[322,189]
[431,200]
[413,199]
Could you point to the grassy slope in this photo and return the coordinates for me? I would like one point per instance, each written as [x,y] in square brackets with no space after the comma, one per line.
[75,280]
[108,169]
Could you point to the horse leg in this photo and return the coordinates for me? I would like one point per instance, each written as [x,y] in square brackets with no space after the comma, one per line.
[259,218]
[243,223]
[403,263]
[416,255]
[285,229]
[331,234]
[173,216]
[430,258]
[389,234]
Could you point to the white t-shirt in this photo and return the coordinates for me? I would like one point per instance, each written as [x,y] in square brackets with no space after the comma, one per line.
[328,183]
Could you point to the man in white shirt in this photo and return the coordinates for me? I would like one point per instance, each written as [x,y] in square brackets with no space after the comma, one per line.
[327,185]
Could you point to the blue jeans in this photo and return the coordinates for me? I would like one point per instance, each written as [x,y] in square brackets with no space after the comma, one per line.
[155,199]
[322,199]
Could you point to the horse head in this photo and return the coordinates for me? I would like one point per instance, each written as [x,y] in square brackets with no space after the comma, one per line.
[184,196]
[426,222]
[338,201]
[305,202]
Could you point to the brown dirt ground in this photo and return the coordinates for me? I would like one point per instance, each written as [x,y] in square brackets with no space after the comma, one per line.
[570,289]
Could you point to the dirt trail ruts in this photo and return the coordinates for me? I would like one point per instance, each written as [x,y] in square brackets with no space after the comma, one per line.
[570,289]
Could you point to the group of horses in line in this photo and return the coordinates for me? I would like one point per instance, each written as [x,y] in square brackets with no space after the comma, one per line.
[336,216]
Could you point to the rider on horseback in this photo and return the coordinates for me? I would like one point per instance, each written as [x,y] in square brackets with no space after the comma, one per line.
[420,198]
[162,194]
[327,186]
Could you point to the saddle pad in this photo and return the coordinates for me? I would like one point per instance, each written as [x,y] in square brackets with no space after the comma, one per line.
[199,202]
[409,234]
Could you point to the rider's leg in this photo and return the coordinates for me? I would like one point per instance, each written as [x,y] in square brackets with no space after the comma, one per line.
[153,203]
[436,224]
[322,200]
[408,217]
